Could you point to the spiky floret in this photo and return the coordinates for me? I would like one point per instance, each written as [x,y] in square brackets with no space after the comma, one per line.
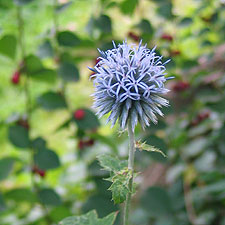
[128,80]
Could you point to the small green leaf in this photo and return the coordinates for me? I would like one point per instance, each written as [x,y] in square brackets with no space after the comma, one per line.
[91,25]
[38,143]
[128,6]
[186,22]
[69,72]
[33,64]
[67,39]
[104,24]
[149,148]
[45,50]
[90,121]
[111,163]
[59,212]
[18,136]
[91,218]
[46,75]
[165,10]
[52,101]
[48,196]
[145,27]
[6,166]
[8,46]
[37,71]
[21,195]
[46,159]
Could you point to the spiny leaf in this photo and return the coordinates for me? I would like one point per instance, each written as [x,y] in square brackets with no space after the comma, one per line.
[91,218]
[111,163]
[149,148]
[120,186]
[119,192]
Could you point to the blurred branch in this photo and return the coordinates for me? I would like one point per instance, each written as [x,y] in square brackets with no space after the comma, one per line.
[188,202]
[56,47]
[21,31]
[21,38]
[55,17]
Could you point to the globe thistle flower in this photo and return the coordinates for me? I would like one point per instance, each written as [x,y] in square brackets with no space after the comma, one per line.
[128,82]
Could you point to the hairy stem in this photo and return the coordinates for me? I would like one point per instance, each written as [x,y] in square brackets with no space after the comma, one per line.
[130,167]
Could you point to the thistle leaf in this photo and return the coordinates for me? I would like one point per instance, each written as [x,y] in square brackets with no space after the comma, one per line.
[111,163]
[120,177]
[143,146]
[120,185]
[91,218]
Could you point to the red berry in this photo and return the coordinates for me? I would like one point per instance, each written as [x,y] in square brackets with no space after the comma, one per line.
[181,86]
[203,116]
[16,77]
[133,36]
[90,142]
[81,144]
[200,117]
[79,114]
[38,171]
[42,173]
[175,52]
[167,37]
[23,123]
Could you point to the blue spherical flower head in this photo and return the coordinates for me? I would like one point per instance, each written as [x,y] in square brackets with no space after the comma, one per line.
[128,81]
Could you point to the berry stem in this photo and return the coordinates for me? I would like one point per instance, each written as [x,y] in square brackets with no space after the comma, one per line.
[56,47]
[130,167]
[21,31]
[21,36]
[55,16]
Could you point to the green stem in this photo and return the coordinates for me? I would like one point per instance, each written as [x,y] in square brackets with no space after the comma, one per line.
[55,16]
[130,167]
[23,55]
[56,47]
[21,41]
[21,31]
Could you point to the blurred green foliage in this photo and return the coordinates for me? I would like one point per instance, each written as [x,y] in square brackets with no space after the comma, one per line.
[50,136]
